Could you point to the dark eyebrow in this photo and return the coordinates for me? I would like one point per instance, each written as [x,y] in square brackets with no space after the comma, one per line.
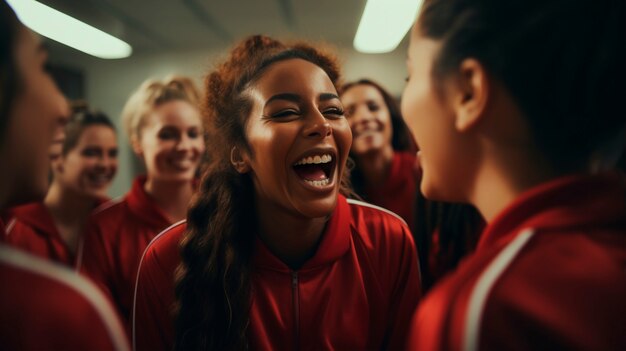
[328,96]
[285,96]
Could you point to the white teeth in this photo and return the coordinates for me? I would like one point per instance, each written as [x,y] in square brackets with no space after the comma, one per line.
[314,160]
[318,183]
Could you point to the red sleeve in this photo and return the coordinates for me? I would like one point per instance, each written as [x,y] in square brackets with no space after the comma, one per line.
[406,292]
[153,322]
[48,307]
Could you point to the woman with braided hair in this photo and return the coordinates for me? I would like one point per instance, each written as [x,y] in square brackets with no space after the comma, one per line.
[273,255]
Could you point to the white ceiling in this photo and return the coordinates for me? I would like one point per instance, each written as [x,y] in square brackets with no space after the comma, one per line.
[173,25]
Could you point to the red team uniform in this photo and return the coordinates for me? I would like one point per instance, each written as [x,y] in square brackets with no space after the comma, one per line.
[32,229]
[115,239]
[397,193]
[357,292]
[48,307]
[548,273]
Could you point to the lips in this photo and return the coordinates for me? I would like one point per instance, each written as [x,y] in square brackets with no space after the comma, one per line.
[316,168]
[100,179]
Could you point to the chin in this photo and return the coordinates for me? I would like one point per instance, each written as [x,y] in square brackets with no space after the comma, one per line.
[318,208]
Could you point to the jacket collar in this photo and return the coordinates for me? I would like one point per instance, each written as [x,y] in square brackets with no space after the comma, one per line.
[571,201]
[144,207]
[335,242]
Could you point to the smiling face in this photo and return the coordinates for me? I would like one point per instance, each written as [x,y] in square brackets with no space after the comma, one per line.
[171,142]
[298,139]
[90,166]
[369,119]
[37,116]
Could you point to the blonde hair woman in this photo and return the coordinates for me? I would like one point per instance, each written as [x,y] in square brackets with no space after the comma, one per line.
[163,123]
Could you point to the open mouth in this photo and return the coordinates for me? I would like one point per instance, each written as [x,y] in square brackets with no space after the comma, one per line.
[316,170]
[100,180]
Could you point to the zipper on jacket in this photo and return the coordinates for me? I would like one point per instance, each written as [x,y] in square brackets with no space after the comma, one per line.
[296,308]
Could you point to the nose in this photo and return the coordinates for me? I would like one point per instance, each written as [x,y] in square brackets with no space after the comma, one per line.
[317,126]
[184,143]
[362,114]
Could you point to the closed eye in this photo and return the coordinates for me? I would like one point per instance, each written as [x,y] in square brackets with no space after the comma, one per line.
[334,112]
[285,114]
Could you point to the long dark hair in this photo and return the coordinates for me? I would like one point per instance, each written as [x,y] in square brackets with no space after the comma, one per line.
[213,286]
[401,137]
[9,76]
[562,61]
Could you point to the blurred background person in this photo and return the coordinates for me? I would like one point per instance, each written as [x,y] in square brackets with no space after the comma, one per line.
[163,122]
[42,305]
[83,165]
[383,151]
[386,174]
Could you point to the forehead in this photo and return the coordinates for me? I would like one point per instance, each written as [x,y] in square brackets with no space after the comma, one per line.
[96,132]
[294,76]
[175,112]
[28,44]
[361,92]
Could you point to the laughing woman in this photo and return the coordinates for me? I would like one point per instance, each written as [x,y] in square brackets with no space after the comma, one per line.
[165,129]
[273,256]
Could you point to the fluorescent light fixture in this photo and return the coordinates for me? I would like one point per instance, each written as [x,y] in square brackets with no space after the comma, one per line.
[67,30]
[384,24]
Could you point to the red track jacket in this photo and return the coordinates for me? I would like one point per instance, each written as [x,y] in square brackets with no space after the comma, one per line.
[549,273]
[357,292]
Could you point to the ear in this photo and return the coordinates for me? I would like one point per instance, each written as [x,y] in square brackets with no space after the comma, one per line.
[136,145]
[56,165]
[239,160]
[471,94]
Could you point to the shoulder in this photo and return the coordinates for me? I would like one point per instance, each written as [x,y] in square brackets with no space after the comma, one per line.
[376,226]
[47,291]
[110,208]
[163,251]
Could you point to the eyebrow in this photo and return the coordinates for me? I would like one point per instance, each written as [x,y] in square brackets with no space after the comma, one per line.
[296,98]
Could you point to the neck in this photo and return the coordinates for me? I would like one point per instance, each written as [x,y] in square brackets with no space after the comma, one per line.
[375,166]
[69,211]
[500,182]
[172,197]
[295,240]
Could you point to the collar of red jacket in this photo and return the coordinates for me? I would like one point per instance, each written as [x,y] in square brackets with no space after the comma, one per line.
[567,202]
[144,207]
[37,216]
[335,243]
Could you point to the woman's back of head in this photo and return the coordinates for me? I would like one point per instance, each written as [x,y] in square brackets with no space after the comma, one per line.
[562,61]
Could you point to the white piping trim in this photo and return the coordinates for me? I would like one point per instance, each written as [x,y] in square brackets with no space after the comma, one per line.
[484,285]
[74,281]
[9,227]
[366,204]
[103,206]
[139,271]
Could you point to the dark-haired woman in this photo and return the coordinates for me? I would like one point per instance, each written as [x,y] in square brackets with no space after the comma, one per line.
[43,306]
[385,173]
[83,166]
[273,256]
[517,109]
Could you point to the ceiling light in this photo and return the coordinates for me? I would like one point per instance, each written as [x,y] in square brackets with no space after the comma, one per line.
[384,24]
[67,30]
